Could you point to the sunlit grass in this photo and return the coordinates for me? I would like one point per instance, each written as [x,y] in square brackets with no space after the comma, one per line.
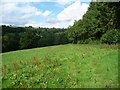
[62,66]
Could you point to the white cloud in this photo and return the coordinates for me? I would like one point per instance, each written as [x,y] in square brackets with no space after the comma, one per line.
[46,13]
[73,12]
[25,8]
[9,8]
[38,13]
[29,9]
[27,16]
[14,8]
[14,20]
[66,17]
[48,25]
[23,14]
[12,13]
[33,25]
[52,20]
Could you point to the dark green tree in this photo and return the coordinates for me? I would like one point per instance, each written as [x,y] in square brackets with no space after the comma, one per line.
[10,42]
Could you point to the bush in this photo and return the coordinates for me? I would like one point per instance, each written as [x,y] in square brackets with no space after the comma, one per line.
[86,41]
[110,37]
[95,42]
[89,41]
[80,42]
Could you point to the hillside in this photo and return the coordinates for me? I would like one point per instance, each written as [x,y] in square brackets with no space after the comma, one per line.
[62,66]
[18,38]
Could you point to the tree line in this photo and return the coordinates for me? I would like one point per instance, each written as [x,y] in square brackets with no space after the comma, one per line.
[100,24]
[16,38]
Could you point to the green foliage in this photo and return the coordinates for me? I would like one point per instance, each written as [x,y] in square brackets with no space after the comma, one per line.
[95,42]
[100,18]
[15,38]
[110,37]
[83,41]
[63,66]
[89,41]
[28,40]
[60,38]
[10,42]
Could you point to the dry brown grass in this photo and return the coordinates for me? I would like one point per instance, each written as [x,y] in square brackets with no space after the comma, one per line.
[35,61]
[15,65]
[47,60]
[114,46]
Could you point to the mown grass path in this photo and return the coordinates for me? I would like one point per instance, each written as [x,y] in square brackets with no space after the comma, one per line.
[62,66]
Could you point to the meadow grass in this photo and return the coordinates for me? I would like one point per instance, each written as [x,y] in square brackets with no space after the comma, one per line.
[62,66]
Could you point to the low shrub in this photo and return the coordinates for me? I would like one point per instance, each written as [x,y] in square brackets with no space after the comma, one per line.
[110,37]
[86,41]
[89,41]
[94,42]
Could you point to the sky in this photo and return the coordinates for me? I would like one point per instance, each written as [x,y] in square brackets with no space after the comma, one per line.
[42,13]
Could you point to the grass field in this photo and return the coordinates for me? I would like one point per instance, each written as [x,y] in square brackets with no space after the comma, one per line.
[62,66]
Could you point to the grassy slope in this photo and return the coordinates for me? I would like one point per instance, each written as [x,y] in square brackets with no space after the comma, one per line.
[73,66]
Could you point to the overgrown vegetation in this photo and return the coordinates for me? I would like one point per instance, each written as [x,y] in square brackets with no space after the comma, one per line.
[63,66]
[110,37]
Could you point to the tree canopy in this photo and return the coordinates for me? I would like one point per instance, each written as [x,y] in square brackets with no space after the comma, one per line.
[15,38]
[100,18]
